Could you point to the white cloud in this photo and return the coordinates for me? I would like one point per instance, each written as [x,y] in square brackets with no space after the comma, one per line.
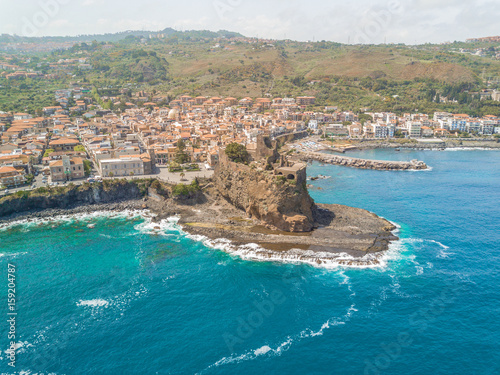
[421,20]
[194,24]
[59,23]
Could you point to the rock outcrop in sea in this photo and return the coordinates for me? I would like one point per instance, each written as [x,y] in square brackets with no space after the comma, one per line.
[264,202]
[269,188]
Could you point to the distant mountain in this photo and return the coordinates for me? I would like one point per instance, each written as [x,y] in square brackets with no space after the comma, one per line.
[115,37]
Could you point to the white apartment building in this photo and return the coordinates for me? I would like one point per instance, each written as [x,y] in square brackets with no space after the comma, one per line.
[126,166]
[414,128]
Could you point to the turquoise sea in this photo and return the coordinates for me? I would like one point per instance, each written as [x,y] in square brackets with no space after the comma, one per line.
[117,294]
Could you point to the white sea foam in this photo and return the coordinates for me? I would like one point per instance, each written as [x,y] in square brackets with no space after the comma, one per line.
[440,244]
[442,253]
[252,354]
[286,344]
[471,149]
[262,350]
[396,287]
[13,255]
[159,228]
[346,281]
[251,251]
[255,252]
[327,260]
[123,300]
[19,347]
[119,302]
[428,169]
[70,218]
[93,303]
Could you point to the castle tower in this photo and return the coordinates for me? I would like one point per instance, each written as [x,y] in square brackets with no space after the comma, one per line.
[66,166]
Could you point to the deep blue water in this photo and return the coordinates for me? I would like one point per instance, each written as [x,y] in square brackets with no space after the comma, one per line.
[124,298]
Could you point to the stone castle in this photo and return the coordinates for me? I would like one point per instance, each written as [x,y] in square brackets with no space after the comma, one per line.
[279,203]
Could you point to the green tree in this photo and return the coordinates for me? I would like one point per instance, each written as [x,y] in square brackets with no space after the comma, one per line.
[79,148]
[363,117]
[87,167]
[237,153]
[48,152]
[186,190]
[181,155]
[181,145]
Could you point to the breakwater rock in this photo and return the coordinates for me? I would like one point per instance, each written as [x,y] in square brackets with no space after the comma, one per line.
[363,163]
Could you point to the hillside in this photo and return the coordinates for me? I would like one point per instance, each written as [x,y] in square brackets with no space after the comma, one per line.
[380,77]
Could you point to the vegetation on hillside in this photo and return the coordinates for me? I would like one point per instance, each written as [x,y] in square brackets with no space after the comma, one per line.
[237,152]
[396,78]
[183,190]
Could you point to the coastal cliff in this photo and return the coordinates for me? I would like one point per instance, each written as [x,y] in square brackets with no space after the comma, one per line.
[65,197]
[262,201]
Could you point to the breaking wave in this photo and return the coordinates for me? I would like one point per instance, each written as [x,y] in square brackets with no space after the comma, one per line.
[285,344]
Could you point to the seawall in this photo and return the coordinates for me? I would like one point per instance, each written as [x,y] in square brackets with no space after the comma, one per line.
[363,163]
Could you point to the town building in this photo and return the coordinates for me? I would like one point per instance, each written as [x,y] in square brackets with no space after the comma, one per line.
[11,177]
[67,169]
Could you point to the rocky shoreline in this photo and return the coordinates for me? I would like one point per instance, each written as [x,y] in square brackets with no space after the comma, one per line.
[258,209]
[339,230]
[52,213]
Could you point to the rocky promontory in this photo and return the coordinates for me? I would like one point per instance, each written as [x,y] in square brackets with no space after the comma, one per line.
[263,201]
[280,201]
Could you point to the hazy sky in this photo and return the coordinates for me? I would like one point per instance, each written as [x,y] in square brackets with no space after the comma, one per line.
[363,21]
